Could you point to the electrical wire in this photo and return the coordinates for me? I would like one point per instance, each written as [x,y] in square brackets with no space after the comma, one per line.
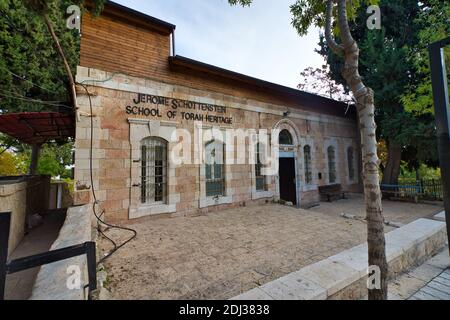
[29,81]
[26,99]
[95,203]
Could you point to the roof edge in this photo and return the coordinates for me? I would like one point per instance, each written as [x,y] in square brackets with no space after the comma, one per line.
[185,62]
[117,10]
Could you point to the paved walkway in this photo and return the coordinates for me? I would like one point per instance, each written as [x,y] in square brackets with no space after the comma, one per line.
[19,285]
[393,211]
[429,281]
[221,255]
[436,289]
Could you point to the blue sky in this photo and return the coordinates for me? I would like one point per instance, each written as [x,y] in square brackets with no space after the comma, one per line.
[258,40]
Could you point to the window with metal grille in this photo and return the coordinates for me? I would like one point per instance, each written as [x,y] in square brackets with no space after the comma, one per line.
[215,169]
[351,164]
[331,164]
[308,171]
[154,171]
[260,179]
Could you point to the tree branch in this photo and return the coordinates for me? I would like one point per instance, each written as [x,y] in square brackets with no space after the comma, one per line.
[73,92]
[332,44]
[346,35]
[350,71]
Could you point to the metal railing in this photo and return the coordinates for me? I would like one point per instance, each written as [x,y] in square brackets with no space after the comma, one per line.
[429,189]
[87,248]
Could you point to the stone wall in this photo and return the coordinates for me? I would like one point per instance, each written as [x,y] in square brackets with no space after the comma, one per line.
[52,279]
[13,197]
[22,196]
[117,137]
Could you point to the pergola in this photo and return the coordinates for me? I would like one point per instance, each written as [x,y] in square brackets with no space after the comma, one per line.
[37,128]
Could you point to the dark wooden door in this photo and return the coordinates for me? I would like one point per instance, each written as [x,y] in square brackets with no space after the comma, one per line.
[287,180]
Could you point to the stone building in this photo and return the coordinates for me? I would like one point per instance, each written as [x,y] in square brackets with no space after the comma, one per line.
[140,94]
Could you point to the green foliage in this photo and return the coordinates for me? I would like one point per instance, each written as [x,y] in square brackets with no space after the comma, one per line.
[28,51]
[435,25]
[308,13]
[11,164]
[55,160]
[387,65]
[31,70]
[425,172]
[243,3]
[31,67]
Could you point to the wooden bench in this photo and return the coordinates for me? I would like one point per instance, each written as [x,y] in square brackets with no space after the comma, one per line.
[333,191]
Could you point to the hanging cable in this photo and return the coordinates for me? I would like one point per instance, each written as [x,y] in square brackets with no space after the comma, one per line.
[29,81]
[96,203]
[30,100]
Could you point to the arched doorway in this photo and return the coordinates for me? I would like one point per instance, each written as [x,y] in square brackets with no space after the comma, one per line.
[287,174]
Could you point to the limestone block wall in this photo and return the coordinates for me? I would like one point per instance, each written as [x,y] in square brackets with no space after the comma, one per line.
[13,196]
[22,196]
[117,136]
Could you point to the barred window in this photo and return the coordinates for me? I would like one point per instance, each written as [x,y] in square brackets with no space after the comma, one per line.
[308,171]
[260,179]
[331,164]
[285,138]
[215,169]
[351,163]
[154,170]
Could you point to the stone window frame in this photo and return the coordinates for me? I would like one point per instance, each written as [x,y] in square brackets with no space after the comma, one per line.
[139,130]
[258,167]
[260,194]
[215,145]
[331,142]
[307,165]
[154,141]
[352,144]
[205,201]
[313,185]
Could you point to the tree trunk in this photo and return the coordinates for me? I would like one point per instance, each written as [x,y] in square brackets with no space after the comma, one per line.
[366,114]
[73,92]
[392,170]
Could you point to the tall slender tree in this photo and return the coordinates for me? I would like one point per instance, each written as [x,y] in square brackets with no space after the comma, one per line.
[387,65]
[333,15]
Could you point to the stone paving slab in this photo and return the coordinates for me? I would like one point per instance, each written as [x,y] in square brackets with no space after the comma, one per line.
[393,211]
[430,281]
[223,254]
[440,216]
[332,276]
